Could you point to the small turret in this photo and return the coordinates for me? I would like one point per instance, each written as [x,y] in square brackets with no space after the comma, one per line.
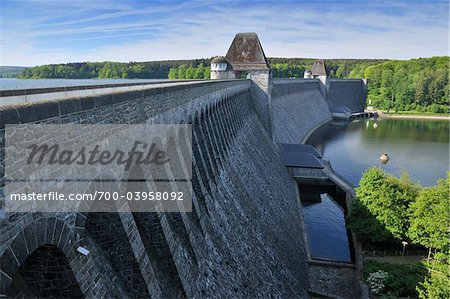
[221,69]
[307,74]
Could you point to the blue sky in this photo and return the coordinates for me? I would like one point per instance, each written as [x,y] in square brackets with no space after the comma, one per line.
[41,32]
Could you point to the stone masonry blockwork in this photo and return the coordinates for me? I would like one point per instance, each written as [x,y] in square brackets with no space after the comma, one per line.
[243,239]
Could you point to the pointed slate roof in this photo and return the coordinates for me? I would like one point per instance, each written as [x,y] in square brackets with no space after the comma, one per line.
[319,68]
[219,59]
[246,53]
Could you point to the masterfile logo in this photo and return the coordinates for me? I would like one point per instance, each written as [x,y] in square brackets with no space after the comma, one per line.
[98,168]
[146,156]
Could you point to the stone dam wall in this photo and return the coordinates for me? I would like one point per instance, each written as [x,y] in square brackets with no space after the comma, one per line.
[298,107]
[243,239]
[346,95]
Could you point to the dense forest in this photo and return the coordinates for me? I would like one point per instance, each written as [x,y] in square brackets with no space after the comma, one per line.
[283,68]
[408,85]
[107,70]
[401,85]
[184,69]
[336,68]
[10,71]
[190,72]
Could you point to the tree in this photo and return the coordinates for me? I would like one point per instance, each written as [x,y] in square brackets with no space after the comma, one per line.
[389,205]
[430,216]
[172,74]
[387,198]
[365,225]
[437,283]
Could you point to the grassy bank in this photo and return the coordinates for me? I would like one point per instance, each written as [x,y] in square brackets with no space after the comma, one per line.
[413,114]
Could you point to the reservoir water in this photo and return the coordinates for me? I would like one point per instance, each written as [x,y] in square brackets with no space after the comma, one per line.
[418,146]
[13,83]
[328,240]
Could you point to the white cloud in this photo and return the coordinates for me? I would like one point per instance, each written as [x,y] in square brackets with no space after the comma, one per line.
[193,30]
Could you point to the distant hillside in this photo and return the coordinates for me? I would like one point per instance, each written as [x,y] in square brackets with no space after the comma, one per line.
[420,84]
[108,70]
[10,71]
[336,68]
[186,69]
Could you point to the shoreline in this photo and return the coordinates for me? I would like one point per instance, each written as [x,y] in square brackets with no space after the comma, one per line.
[413,116]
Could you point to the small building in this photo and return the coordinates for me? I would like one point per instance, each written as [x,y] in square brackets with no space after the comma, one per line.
[307,74]
[221,69]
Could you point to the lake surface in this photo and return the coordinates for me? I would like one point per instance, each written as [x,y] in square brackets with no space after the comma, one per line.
[13,83]
[421,147]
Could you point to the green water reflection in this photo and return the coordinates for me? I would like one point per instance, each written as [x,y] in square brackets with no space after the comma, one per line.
[420,147]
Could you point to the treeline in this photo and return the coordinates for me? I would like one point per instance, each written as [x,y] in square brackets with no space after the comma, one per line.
[183,69]
[190,72]
[394,210]
[281,68]
[401,85]
[10,71]
[107,70]
[408,85]
[336,68]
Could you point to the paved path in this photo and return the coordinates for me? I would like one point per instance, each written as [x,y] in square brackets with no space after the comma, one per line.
[409,259]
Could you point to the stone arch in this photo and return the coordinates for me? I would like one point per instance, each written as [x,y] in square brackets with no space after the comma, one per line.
[208,107]
[237,108]
[234,113]
[200,153]
[195,217]
[230,123]
[217,131]
[202,111]
[175,219]
[103,225]
[211,125]
[235,105]
[175,141]
[103,182]
[206,145]
[46,236]
[247,103]
[222,115]
[154,241]
[45,273]
[200,183]
[212,144]
[185,141]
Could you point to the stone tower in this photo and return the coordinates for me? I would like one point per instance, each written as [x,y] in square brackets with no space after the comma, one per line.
[247,58]
[307,74]
[319,71]
[221,69]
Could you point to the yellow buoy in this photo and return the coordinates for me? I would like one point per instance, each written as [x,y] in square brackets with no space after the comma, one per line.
[384,158]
